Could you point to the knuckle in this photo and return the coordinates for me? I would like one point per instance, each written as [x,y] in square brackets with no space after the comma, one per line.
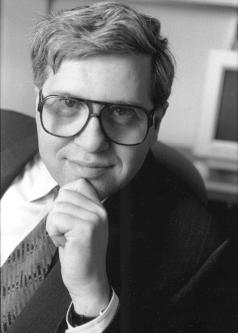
[101,212]
[60,194]
[64,194]
[58,205]
[49,227]
[51,223]
[94,219]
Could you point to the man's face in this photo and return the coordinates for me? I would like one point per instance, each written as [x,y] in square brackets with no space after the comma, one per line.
[90,155]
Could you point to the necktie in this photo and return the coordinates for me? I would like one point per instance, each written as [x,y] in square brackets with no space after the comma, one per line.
[23,272]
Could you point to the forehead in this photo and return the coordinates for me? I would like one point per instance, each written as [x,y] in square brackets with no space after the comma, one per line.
[122,78]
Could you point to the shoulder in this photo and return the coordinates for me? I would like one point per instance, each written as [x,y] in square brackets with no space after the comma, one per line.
[18,144]
[15,126]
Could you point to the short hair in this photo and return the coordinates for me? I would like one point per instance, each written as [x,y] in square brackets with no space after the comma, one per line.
[106,27]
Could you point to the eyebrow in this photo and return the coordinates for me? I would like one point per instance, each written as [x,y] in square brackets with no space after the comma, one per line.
[119,102]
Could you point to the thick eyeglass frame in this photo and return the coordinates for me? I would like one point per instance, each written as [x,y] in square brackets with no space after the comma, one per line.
[89,102]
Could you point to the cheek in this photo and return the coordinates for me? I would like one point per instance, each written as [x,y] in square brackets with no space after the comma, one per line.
[48,147]
[138,153]
[132,159]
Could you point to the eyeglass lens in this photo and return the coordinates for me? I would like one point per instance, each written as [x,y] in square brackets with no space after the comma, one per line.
[65,117]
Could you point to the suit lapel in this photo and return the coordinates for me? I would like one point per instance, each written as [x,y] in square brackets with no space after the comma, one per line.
[155,239]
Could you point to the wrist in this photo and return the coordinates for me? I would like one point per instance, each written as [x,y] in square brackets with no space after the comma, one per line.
[76,319]
[92,301]
[102,320]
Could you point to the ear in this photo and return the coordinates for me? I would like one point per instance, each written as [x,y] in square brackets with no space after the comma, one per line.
[36,89]
[158,116]
[37,98]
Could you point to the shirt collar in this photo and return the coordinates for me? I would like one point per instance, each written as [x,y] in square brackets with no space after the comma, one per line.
[41,181]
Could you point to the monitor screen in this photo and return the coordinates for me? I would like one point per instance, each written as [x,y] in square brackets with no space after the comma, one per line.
[217,137]
[227,118]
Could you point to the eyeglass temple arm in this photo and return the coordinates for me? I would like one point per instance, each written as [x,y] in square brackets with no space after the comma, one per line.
[163,109]
[39,101]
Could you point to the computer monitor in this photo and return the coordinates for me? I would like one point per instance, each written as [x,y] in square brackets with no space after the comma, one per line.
[217,139]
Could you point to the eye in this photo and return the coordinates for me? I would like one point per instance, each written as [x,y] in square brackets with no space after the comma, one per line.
[124,112]
[73,105]
[70,103]
[67,107]
[124,116]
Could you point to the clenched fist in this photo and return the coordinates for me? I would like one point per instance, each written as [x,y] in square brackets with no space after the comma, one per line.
[78,224]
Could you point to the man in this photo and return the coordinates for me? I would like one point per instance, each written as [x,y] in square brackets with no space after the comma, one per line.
[137,251]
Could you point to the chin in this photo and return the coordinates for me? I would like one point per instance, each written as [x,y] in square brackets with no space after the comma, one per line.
[102,189]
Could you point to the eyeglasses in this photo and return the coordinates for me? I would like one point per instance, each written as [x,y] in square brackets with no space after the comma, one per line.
[66,116]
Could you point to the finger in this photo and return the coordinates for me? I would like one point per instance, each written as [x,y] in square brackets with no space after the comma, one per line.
[84,187]
[59,240]
[78,199]
[57,228]
[59,224]
[74,210]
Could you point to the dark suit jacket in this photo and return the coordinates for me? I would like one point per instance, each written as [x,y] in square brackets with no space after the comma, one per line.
[170,264]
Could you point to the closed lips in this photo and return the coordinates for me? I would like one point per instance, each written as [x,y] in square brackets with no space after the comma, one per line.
[91,165]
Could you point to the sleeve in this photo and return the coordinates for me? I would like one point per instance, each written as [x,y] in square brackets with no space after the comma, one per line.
[100,323]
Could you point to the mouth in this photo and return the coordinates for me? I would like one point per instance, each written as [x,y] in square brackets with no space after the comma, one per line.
[93,165]
[89,169]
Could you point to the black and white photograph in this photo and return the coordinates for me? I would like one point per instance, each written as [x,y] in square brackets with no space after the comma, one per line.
[119,166]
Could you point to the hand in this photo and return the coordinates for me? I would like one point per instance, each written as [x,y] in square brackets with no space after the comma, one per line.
[78,224]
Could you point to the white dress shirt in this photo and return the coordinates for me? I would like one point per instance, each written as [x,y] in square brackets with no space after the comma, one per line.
[23,206]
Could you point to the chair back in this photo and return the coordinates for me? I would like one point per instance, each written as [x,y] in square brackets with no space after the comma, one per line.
[181,167]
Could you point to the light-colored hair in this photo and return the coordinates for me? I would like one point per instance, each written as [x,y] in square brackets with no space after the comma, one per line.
[102,28]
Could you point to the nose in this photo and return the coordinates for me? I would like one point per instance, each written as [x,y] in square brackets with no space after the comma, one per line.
[92,138]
